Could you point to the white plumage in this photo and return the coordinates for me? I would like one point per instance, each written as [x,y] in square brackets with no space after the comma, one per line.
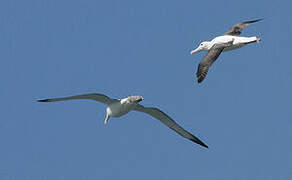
[120,107]
[238,42]
[229,41]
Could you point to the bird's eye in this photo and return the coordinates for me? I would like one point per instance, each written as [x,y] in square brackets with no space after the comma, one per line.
[201,44]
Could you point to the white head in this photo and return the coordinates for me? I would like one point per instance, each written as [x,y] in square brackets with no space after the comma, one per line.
[204,46]
[135,99]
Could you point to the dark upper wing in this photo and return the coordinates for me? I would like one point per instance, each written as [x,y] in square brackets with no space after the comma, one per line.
[168,121]
[208,60]
[94,96]
[237,28]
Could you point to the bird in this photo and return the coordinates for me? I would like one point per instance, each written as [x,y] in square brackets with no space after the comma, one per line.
[214,48]
[119,107]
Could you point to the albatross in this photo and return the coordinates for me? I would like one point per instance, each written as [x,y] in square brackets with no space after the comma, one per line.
[229,41]
[120,107]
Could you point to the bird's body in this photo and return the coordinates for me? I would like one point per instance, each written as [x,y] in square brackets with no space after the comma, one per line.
[238,42]
[120,107]
[220,44]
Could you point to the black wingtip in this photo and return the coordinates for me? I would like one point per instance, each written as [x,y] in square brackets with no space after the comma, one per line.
[44,100]
[200,143]
[253,21]
[200,79]
[204,145]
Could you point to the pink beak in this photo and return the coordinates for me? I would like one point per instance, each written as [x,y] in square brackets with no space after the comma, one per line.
[195,50]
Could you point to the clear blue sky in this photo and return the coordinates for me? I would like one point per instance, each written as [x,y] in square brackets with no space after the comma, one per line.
[52,48]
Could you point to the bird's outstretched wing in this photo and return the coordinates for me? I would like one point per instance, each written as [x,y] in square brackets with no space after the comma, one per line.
[94,96]
[168,121]
[209,59]
[237,28]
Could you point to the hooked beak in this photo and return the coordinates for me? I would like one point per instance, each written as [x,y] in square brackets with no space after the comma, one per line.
[195,50]
[106,119]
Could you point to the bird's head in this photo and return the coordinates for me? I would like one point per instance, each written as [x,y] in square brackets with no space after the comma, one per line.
[203,46]
[135,99]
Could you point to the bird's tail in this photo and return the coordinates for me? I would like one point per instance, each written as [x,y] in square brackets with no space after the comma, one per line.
[253,40]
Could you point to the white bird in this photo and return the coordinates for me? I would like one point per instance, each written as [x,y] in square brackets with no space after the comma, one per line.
[120,107]
[214,48]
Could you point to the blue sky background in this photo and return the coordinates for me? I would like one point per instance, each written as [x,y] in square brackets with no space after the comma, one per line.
[53,48]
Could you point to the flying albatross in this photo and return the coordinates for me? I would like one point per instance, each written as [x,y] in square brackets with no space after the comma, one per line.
[229,41]
[120,107]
